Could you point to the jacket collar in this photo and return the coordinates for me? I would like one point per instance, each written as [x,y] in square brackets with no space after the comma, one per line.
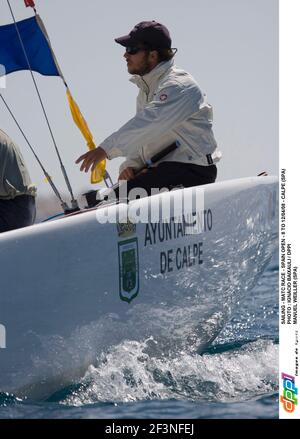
[152,77]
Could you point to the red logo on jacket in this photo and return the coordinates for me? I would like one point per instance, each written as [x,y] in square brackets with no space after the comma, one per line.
[163,97]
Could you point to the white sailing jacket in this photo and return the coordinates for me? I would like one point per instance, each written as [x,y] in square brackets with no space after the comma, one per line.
[170,107]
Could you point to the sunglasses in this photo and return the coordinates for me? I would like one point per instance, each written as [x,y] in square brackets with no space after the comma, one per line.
[134,50]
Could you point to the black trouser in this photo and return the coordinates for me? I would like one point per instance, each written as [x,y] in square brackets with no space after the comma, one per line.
[17,213]
[172,174]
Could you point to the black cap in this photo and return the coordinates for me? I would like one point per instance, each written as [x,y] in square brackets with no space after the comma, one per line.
[150,33]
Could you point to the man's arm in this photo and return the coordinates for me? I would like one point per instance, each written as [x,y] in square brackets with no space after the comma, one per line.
[126,171]
[171,106]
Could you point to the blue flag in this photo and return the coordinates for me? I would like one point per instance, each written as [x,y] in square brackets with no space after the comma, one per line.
[36,46]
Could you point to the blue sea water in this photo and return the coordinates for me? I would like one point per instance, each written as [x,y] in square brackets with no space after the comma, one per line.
[237,377]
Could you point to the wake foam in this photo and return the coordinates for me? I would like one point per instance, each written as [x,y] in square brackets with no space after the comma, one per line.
[127,373]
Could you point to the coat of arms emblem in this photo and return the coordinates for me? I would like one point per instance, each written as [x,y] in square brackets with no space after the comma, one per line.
[128,269]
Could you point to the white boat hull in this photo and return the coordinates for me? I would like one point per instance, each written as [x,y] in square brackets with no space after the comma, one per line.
[73,288]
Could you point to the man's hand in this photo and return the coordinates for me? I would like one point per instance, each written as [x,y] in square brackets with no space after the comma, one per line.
[129,174]
[126,174]
[91,159]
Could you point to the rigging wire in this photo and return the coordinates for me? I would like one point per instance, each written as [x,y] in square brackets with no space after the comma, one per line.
[73,201]
[48,177]
[107,178]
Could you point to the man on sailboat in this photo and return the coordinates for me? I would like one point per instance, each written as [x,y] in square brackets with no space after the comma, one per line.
[171,110]
[17,194]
